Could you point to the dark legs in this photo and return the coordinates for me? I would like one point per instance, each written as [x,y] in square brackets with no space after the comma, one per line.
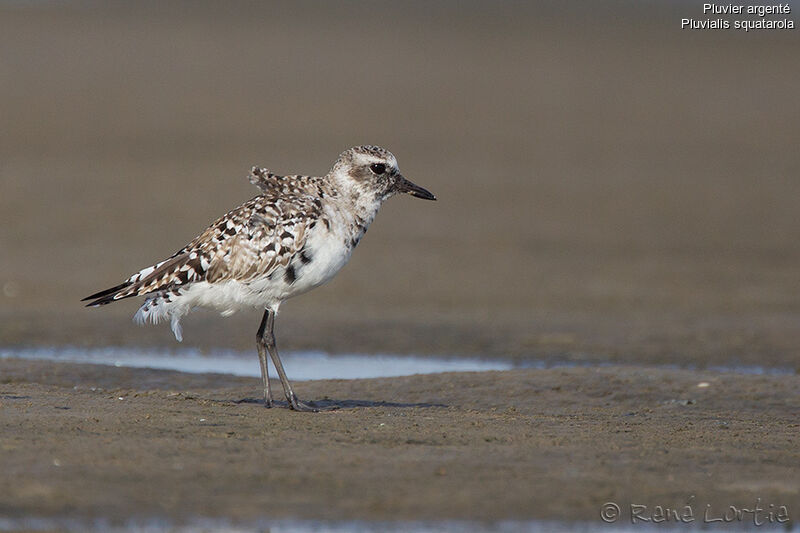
[266,340]
[261,345]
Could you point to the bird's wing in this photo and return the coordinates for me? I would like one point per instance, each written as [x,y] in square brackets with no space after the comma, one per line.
[272,184]
[261,178]
[250,241]
[265,238]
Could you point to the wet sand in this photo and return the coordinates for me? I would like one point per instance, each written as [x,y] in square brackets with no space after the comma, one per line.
[85,441]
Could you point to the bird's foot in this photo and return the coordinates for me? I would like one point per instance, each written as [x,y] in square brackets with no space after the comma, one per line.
[296,405]
[268,401]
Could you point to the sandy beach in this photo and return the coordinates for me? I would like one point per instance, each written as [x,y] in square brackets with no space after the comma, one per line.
[86,441]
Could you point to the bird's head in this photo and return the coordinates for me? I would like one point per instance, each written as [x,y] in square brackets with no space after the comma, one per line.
[372,169]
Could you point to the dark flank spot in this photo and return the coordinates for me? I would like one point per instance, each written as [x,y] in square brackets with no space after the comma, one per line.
[270,246]
[354,242]
[290,275]
[311,226]
[305,258]
[317,203]
[286,235]
[327,223]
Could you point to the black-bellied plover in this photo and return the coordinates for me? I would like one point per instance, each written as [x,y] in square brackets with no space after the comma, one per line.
[293,237]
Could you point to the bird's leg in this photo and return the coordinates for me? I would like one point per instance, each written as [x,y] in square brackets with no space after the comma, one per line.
[269,338]
[261,345]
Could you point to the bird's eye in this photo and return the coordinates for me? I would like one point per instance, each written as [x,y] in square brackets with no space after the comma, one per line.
[378,168]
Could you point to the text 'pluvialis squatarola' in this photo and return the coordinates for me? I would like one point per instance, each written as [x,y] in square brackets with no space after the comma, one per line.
[296,235]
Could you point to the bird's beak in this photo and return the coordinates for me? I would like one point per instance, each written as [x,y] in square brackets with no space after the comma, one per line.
[403,185]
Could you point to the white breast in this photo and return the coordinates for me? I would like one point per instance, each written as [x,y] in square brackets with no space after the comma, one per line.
[328,251]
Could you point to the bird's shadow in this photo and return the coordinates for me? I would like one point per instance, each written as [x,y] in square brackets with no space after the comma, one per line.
[330,404]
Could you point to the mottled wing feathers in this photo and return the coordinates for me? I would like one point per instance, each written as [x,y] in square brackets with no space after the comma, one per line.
[277,186]
[260,177]
[249,242]
[262,235]
[150,279]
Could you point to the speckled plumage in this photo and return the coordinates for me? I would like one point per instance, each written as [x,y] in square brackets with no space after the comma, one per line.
[293,237]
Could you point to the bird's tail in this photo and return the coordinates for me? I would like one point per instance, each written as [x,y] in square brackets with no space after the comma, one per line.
[109,295]
[148,280]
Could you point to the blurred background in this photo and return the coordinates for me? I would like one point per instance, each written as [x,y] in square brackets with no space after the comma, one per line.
[611,187]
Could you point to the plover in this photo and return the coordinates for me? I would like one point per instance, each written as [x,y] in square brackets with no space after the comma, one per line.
[294,236]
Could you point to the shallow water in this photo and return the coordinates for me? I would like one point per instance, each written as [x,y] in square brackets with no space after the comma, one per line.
[302,366]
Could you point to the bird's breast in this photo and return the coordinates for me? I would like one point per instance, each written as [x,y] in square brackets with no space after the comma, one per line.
[327,249]
[322,257]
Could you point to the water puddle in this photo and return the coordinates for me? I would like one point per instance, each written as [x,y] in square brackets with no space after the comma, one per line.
[303,366]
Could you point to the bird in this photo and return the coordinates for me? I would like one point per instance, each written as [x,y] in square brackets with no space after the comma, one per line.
[293,237]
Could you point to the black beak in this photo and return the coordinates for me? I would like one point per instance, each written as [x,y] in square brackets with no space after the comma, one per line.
[403,185]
